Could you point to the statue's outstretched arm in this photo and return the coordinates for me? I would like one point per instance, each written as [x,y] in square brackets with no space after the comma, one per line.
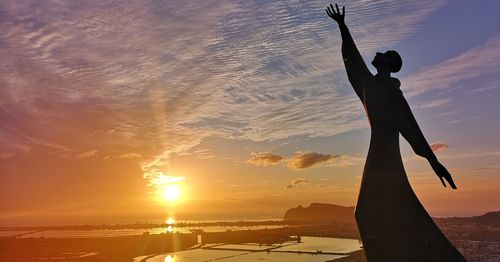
[357,71]
[408,127]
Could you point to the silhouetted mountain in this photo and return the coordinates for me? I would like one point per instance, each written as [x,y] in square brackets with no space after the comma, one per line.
[490,219]
[319,212]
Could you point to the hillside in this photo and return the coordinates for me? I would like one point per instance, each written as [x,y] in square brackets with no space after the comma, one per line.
[489,219]
[325,213]
[319,212]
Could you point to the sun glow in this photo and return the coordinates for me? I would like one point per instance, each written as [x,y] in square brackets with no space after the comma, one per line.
[169,189]
[172,193]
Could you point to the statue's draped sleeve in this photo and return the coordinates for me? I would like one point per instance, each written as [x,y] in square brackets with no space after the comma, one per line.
[409,129]
[357,72]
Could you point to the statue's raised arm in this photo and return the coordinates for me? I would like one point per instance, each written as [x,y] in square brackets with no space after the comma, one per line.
[357,71]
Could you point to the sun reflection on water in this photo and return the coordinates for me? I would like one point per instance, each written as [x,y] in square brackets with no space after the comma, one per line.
[170,221]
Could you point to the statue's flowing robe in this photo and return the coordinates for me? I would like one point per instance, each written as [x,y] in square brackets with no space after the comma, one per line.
[393,224]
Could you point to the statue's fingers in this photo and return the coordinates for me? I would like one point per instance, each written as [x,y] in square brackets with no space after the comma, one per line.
[328,12]
[343,10]
[442,181]
[333,11]
[450,181]
[337,7]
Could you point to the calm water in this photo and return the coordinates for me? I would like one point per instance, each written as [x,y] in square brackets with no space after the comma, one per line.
[288,252]
[122,232]
[324,244]
[211,255]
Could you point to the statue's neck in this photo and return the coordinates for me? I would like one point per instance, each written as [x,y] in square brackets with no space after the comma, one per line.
[384,73]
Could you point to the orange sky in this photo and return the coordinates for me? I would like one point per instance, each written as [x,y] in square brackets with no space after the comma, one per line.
[246,103]
[50,189]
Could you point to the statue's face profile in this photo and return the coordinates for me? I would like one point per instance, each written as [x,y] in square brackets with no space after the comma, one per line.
[381,61]
[389,60]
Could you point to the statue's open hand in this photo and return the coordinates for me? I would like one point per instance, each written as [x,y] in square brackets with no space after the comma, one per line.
[442,172]
[336,14]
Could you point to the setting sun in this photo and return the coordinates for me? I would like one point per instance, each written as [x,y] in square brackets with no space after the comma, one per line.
[172,193]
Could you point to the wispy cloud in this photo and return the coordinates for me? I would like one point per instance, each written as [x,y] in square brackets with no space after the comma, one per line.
[264,159]
[439,146]
[489,86]
[434,103]
[295,182]
[198,153]
[5,155]
[449,74]
[447,113]
[460,120]
[88,154]
[130,155]
[486,154]
[163,75]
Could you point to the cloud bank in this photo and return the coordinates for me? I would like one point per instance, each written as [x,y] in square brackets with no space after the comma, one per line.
[152,78]
[300,160]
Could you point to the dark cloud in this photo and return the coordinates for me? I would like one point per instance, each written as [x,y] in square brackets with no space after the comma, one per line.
[439,146]
[300,160]
[305,160]
[264,159]
[296,182]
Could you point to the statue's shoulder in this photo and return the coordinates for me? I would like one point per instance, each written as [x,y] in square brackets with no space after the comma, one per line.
[396,82]
[395,92]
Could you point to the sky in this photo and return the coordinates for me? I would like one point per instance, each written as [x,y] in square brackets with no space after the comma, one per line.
[244,106]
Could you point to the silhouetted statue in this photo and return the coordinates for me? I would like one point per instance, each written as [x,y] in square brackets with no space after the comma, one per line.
[394,226]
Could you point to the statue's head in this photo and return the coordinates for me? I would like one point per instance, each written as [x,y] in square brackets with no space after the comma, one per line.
[389,61]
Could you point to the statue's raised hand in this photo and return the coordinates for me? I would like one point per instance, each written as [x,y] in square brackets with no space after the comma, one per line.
[336,14]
